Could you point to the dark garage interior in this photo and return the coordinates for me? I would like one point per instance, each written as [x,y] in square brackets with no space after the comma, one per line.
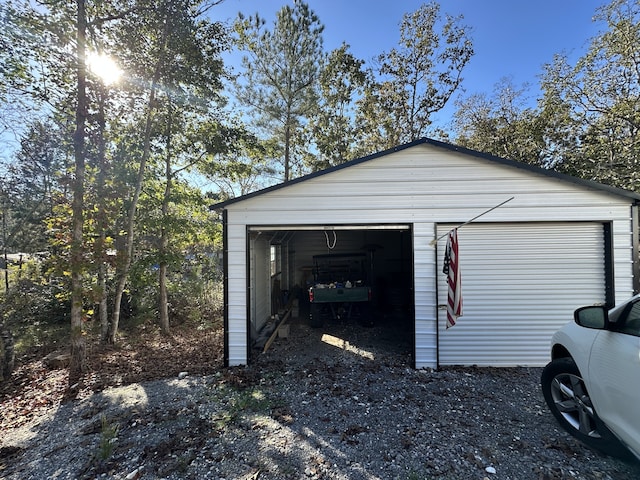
[337,260]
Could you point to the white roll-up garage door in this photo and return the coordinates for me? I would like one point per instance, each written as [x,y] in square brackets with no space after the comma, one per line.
[520,283]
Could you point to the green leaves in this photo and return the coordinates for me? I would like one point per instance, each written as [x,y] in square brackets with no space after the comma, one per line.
[415,79]
[281,72]
[596,102]
[131,137]
[501,125]
[333,129]
[587,122]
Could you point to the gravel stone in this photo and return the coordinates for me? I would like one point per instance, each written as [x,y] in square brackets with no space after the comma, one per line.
[306,409]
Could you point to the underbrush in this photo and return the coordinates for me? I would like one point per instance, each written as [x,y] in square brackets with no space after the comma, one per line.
[36,310]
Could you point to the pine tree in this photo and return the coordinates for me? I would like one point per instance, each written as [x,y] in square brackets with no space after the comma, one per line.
[281,72]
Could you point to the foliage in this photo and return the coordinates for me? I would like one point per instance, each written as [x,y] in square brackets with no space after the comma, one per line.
[185,67]
[333,128]
[281,71]
[500,125]
[188,221]
[237,403]
[29,190]
[237,161]
[7,352]
[415,79]
[587,122]
[172,80]
[596,102]
[23,93]
[108,437]
[36,306]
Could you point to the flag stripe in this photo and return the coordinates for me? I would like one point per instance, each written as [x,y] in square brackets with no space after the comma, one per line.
[452,270]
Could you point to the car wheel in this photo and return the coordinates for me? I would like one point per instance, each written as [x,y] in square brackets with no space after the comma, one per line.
[566,395]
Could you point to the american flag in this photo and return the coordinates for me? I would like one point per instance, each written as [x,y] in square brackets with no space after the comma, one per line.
[452,270]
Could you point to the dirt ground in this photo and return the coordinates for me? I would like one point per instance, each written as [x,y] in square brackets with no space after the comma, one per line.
[338,402]
[34,387]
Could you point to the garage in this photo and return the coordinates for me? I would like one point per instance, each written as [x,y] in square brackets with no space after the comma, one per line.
[558,243]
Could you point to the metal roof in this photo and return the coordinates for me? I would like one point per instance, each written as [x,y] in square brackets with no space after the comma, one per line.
[447,146]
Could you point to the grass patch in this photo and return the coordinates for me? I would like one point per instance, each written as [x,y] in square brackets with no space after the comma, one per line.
[238,403]
[108,438]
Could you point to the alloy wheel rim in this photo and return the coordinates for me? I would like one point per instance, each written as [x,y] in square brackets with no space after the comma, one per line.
[572,401]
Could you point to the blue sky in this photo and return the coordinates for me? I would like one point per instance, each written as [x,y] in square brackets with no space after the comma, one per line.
[512,38]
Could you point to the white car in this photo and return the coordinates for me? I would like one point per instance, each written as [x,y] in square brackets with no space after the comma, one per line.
[592,384]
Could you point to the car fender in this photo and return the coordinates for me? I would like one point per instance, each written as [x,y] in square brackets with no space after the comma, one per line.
[578,341]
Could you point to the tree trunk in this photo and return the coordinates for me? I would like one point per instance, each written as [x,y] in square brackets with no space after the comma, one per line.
[125,265]
[123,272]
[164,299]
[164,235]
[287,149]
[101,221]
[78,345]
[103,310]
[7,353]
[4,246]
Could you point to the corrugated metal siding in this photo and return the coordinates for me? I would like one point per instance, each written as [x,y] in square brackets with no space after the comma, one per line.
[426,355]
[520,283]
[422,185]
[623,256]
[237,294]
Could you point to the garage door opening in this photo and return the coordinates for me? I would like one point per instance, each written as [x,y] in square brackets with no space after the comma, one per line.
[314,277]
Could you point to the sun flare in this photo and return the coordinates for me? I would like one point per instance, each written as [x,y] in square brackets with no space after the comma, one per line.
[104,67]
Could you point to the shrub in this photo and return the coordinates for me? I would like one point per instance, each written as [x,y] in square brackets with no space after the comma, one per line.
[35,309]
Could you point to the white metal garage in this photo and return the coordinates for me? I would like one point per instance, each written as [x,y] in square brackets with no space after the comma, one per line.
[562,242]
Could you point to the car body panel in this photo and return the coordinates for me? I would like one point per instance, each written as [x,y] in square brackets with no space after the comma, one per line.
[578,341]
[609,362]
[614,371]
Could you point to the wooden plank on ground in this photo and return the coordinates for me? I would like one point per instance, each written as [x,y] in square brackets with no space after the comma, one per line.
[275,332]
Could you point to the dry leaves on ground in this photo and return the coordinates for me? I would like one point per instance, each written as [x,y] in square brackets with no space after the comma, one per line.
[35,388]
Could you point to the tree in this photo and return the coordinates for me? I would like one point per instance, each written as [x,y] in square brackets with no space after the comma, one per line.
[29,187]
[50,43]
[333,129]
[76,260]
[168,47]
[197,77]
[157,32]
[501,125]
[281,71]
[416,79]
[596,103]
[15,75]
[237,161]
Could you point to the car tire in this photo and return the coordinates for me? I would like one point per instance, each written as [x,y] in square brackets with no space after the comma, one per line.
[567,397]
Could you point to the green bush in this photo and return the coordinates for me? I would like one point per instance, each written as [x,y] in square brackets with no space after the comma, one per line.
[195,302]
[35,309]
[194,287]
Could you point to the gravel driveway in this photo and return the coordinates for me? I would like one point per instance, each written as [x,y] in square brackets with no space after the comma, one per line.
[343,406]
